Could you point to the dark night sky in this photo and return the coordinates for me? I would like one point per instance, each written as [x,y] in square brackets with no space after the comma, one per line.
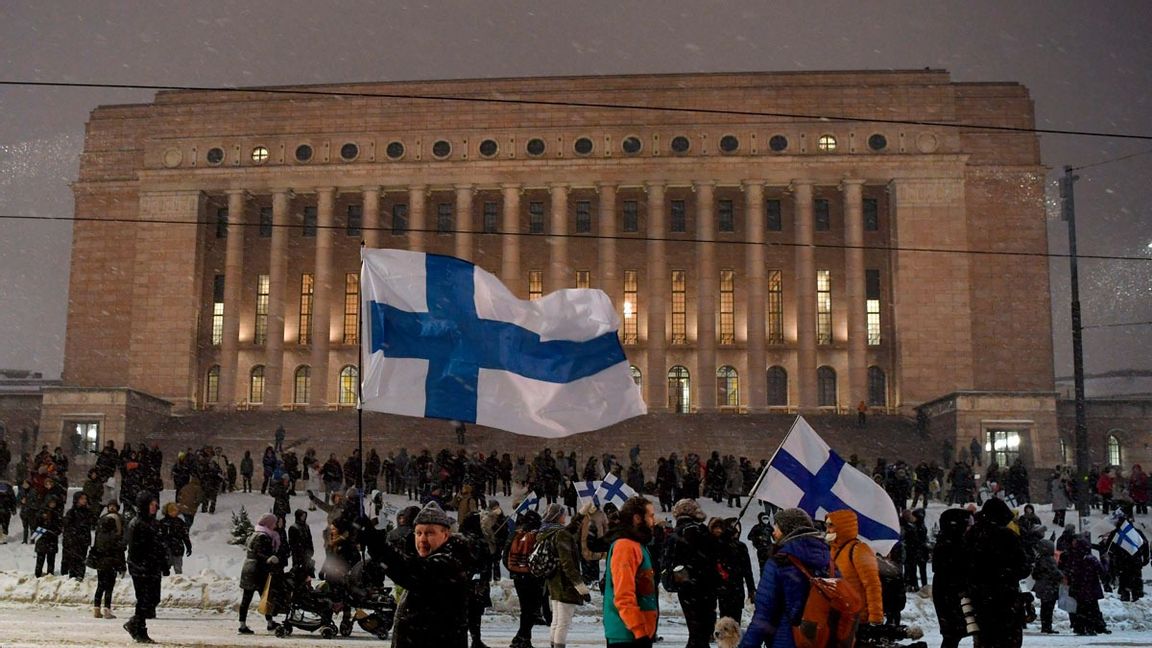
[1087,65]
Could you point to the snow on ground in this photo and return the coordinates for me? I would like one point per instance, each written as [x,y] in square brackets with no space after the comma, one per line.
[198,608]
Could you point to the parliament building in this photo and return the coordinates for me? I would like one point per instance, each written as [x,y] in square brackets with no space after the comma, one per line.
[775,243]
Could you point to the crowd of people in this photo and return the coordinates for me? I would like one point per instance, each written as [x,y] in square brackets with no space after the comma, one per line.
[444,550]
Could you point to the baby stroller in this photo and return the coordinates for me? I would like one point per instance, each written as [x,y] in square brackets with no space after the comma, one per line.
[309,609]
[374,604]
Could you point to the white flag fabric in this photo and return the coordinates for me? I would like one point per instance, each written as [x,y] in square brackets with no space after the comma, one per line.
[613,489]
[445,339]
[586,493]
[1128,538]
[806,474]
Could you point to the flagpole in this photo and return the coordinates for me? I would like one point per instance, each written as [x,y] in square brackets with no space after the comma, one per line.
[360,384]
[756,486]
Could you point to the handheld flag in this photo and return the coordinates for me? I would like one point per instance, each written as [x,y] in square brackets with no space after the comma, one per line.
[1128,538]
[445,339]
[806,474]
[586,493]
[613,489]
[530,502]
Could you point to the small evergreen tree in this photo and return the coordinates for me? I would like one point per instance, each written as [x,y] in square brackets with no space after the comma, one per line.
[241,527]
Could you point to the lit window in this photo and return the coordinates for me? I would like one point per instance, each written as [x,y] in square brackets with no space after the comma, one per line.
[261,329]
[583,216]
[306,292]
[302,385]
[85,437]
[583,279]
[212,385]
[679,389]
[491,217]
[775,315]
[826,387]
[309,221]
[1003,446]
[256,385]
[1115,451]
[777,387]
[679,308]
[773,217]
[535,284]
[823,307]
[351,308]
[349,378]
[399,218]
[355,224]
[631,311]
[877,387]
[535,217]
[218,310]
[443,218]
[259,155]
[727,307]
[727,387]
[725,216]
[872,296]
[677,220]
[630,212]
[826,143]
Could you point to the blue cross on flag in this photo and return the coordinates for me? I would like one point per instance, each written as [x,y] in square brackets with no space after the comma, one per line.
[445,339]
[806,474]
[1128,538]
[531,502]
[613,489]
[586,493]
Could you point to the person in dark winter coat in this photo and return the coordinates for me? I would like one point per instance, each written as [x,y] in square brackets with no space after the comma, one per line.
[737,583]
[147,560]
[529,589]
[690,555]
[1085,575]
[260,563]
[480,575]
[949,575]
[1047,578]
[107,558]
[78,523]
[1128,567]
[914,539]
[246,470]
[566,588]
[783,588]
[49,526]
[278,489]
[300,540]
[436,581]
[760,535]
[174,532]
[996,562]
[268,463]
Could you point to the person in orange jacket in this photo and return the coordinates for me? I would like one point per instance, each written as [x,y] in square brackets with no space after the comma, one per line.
[631,602]
[856,562]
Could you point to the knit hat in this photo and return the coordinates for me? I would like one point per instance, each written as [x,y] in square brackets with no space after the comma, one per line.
[687,507]
[433,514]
[553,513]
[996,511]
[791,519]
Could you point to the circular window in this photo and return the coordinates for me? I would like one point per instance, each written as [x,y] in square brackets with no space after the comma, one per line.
[441,149]
[583,146]
[395,150]
[681,144]
[349,151]
[488,148]
[260,155]
[877,142]
[826,143]
[303,153]
[215,155]
[535,146]
[631,145]
[729,144]
[778,143]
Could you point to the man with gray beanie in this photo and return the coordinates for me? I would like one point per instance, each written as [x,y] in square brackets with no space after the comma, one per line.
[433,611]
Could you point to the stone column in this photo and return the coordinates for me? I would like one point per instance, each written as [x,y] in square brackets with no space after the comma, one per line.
[656,300]
[756,397]
[706,288]
[856,388]
[277,271]
[609,280]
[464,221]
[510,240]
[417,216]
[558,275]
[371,197]
[322,297]
[805,297]
[233,285]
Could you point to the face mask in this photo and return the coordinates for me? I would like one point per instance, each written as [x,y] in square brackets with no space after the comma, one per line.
[830,537]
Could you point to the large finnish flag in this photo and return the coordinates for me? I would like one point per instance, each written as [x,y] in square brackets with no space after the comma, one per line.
[446,339]
[806,474]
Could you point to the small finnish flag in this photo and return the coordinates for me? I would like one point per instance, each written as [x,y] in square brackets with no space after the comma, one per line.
[586,492]
[613,489]
[1128,538]
[530,502]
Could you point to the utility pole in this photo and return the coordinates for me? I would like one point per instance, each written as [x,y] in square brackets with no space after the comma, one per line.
[1067,196]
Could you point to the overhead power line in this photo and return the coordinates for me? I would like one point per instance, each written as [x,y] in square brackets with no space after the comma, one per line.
[572,104]
[590,236]
[1117,324]
[1112,160]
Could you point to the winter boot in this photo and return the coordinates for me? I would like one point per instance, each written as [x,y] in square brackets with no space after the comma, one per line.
[108,613]
[244,629]
[96,613]
[132,625]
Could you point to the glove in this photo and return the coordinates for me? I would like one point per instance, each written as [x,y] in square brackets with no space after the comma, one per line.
[273,560]
[189,552]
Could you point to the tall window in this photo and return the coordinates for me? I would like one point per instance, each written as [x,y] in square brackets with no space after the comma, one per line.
[355,224]
[727,307]
[310,221]
[222,223]
[775,321]
[679,389]
[823,307]
[631,216]
[265,222]
[261,329]
[535,284]
[679,309]
[351,308]
[871,215]
[677,220]
[302,385]
[826,386]
[725,216]
[872,296]
[773,216]
[877,387]
[256,385]
[535,217]
[777,386]
[583,217]
[823,219]
[349,376]
[583,278]
[212,385]
[727,387]
[85,436]
[218,310]
[443,218]
[491,217]
[1003,446]
[399,218]
[306,291]
[631,312]
[1115,451]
